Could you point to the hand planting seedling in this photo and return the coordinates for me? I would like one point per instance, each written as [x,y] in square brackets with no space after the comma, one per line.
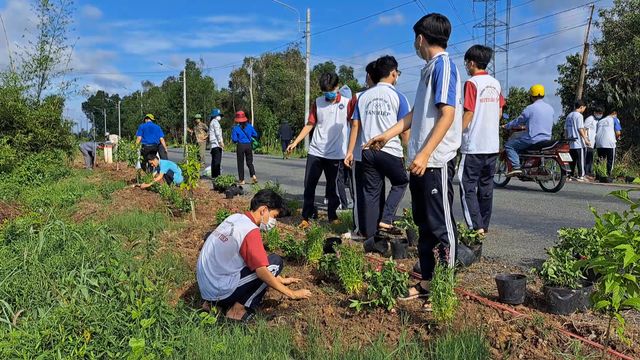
[384,287]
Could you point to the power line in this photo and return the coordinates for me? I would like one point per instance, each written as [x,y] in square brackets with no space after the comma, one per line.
[361,19]
[540,59]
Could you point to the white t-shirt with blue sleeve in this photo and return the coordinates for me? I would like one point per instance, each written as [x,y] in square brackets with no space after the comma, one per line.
[378,109]
[572,126]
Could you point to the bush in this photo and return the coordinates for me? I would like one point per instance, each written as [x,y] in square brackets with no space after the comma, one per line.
[383,288]
[34,170]
[442,295]
[314,244]
[561,269]
[272,241]
[293,249]
[221,215]
[176,200]
[223,182]
[270,185]
[467,236]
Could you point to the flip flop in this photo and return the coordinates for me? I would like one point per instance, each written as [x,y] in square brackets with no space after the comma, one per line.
[422,292]
[392,230]
[427,306]
[246,318]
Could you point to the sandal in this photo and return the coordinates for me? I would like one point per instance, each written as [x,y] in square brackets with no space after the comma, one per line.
[422,292]
[427,306]
[392,230]
[248,316]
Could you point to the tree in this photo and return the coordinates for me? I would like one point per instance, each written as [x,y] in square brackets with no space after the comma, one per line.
[568,76]
[516,102]
[46,58]
[97,106]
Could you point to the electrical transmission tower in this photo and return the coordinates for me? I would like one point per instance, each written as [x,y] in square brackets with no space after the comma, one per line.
[490,24]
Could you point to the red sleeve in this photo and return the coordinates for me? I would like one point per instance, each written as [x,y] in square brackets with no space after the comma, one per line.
[313,114]
[351,107]
[252,250]
[470,94]
[502,101]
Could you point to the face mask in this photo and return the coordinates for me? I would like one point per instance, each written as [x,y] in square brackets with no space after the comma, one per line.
[271,223]
[598,117]
[330,95]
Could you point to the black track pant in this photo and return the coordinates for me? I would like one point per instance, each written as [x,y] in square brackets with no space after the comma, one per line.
[244,151]
[344,183]
[475,174]
[431,198]
[251,289]
[588,162]
[148,151]
[216,161]
[577,156]
[315,167]
[376,166]
[168,177]
[359,204]
[608,154]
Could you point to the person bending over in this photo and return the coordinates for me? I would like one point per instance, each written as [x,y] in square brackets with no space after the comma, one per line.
[164,170]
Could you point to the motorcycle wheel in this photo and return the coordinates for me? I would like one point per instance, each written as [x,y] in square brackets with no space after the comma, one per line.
[500,178]
[558,176]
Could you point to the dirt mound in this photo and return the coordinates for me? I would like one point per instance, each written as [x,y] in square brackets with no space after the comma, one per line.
[8,212]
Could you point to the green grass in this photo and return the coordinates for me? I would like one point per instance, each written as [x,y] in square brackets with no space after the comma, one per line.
[345,223]
[468,344]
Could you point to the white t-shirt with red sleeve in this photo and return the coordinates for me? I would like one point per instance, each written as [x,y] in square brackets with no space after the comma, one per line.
[483,96]
[233,245]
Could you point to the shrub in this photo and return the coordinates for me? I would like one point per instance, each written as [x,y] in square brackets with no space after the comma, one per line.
[383,288]
[174,197]
[271,185]
[344,224]
[221,215]
[350,268]
[35,169]
[293,249]
[469,237]
[442,293]
[599,167]
[272,241]
[223,182]
[406,222]
[314,244]
[561,269]
[129,152]
[582,242]
[327,265]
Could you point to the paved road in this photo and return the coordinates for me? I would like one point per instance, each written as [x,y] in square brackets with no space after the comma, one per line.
[525,219]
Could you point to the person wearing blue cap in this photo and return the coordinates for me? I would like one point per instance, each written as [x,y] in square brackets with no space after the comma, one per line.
[216,141]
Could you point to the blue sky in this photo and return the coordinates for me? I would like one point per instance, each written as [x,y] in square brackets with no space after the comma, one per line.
[119,43]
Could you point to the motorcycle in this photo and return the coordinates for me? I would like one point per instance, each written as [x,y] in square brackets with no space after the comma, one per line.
[546,163]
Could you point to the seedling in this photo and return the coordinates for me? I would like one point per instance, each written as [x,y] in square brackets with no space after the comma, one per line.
[293,249]
[314,244]
[469,237]
[223,182]
[272,241]
[221,215]
[191,174]
[350,268]
[561,269]
[442,294]
[384,287]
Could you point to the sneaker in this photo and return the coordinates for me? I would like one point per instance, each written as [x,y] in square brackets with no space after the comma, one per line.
[514,172]
[580,179]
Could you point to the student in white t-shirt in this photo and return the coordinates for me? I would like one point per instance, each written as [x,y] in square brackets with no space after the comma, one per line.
[436,133]
[607,134]
[378,109]
[233,268]
[329,120]
[590,126]
[483,103]
[574,129]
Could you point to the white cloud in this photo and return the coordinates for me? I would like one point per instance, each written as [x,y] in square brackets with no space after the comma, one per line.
[227,19]
[391,19]
[91,12]
[210,39]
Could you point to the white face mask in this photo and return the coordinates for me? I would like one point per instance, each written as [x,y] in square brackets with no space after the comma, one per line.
[271,223]
[418,51]
[598,117]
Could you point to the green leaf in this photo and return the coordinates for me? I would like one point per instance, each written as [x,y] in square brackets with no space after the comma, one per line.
[632,302]
[602,304]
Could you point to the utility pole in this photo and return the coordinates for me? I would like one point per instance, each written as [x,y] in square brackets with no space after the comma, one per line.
[104,114]
[251,87]
[585,57]
[506,49]
[307,79]
[184,108]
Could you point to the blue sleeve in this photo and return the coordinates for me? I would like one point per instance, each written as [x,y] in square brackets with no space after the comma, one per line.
[234,134]
[254,133]
[160,132]
[616,125]
[139,131]
[403,108]
[443,81]
[520,120]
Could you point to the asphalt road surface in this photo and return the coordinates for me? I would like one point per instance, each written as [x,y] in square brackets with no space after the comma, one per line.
[524,222]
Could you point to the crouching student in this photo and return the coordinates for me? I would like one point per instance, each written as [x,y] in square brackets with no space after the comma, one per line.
[164,171]
[234,270]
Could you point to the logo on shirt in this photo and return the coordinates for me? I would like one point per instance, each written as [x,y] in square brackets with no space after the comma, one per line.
[378,107]
[341,106]
[489,95]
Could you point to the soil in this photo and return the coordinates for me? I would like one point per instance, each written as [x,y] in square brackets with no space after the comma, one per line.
[8,212]
[511,337]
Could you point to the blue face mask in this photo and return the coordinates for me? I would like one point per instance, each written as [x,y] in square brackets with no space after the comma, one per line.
[330,95]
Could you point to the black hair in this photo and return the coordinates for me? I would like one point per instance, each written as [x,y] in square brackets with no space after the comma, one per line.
[435,28]
[385,65]
[373,72]
[598,109]
[270,199]
[481,55]
[328,81]
[243,125]
[152,157]
[613,110]
[579,103]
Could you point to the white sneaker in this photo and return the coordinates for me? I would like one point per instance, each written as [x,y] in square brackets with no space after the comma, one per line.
[581,179]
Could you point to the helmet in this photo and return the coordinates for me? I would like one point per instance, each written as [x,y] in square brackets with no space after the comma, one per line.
[537,90]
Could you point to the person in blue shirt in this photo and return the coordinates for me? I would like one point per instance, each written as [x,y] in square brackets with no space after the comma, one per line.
[241,135]
[151,137]
[165,170]
[538,118]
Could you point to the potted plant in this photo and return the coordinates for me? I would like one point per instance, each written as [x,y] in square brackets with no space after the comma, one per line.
[409,226]
[565,289]
[472,239]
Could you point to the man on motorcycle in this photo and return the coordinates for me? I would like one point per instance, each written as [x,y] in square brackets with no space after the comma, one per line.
[538,118]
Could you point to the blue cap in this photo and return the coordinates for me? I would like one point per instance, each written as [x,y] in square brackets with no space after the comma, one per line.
[345,91]
[215,112]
